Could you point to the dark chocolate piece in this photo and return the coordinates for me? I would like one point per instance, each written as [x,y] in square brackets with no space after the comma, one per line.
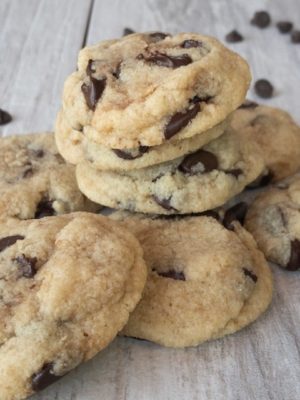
[207,160]
[44,209]
[234,37]
[9,241]
[27,265]
[284,26]
[5,117]
[235,213]
[180,120]
[127,155]
[172,274]
[164,203]
[261,19]
[43,378]
[190,43]
[92,91]
[264,88]
[294,261]
[251,274]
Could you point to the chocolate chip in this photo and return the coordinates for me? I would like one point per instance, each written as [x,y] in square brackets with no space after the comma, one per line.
[263,88]
[128,31]
[92,91]
[201,161]
[234,37]
[294,261]
[251,274]
[235,213]
[261,181]
[158,36]
[190,43]
[164,203]
[43,378]
[236,172]
[9,241]
[178,276]
[129,155]
[90,69]
[248,104]
[44,209]
[27,265]
[284,26]
[261,19]
[295,37]
[163,60]
[180,120]
[5,117]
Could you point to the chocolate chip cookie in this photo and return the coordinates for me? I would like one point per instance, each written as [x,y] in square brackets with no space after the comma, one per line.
[204,280]
[67,286]
[200,181]
[35,181]
[144,89]
[274,221]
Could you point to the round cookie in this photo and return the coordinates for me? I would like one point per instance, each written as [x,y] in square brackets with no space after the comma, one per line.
[204,281]
[276,133]
[68,284]
[274,221]
[74,147]
[35,181]
[197,182]
[143,89]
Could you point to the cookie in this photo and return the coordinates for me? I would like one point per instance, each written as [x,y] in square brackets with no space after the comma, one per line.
[277,135]
[35,181]
[197,182]
[274,221]
[204,281]
[68,284]
[144,89]
[75,147]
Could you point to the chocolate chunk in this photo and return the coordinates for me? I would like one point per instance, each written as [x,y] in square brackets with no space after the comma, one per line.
[294,261]
[178,276]
[180,120]
[9,241]
[27,265]
[45,377]
[92,91]
[190,43]
[129,155]
[163,60]
[261,19]
[90,69]
[284,26]
[5,117]
[251,274]
[248,104]
[236,172]
[261,181]
[295,37]
[158,36]
[201,161]
[164,203]
[234,37]
[263,88]
[44,209]
[235,213]
[128,31]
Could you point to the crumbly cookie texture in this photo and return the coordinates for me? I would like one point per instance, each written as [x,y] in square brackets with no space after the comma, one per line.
[144,89]
[75,147]
[197,182]
[274,221]
[276,133]
[67,285]
[204,281]
[35,181]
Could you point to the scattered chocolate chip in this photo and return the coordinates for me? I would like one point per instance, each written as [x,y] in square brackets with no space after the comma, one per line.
[28,172]
[294,261]
[45,377]
[180,120]
[284,26]
[128,31]
[251,274]
[44,209]
[234,37]
[92,91]
[5,117]
[261,181]
[190,43]
[236,172]
[164,203]
[295,37]
[131,155]
[158,36]
[9,241]
[178,276]
[27,265]
[235,213]
[248,104]
[201,161]
[263,88]
[90,69]
[163,60]
[261,19]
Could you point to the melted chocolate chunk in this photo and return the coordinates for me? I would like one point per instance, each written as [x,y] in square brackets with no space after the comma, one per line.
[201,161]
[158,36]
[236,172]
[284,26]
[294,261]
[164,203]
[261,181]
[43,378]
[127,155]
[92,91]
[5,117]
[90,69]
[263,88]
[261,19]
[128,31]
[190,43]
[234,37]
[295,37]
[44,209]
[180,120]
[163,60]
[251,274]
[9,241]
[178,276]
[27,265]
[248,104]
[235,213]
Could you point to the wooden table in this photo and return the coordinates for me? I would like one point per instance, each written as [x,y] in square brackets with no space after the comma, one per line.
[39,43]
